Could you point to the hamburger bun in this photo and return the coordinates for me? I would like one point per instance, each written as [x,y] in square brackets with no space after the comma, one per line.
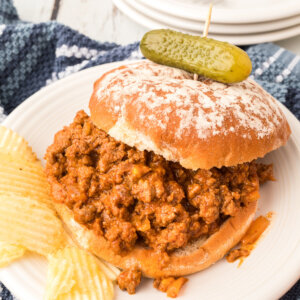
[200,124]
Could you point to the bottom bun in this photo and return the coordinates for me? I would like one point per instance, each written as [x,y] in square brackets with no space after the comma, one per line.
[195,257]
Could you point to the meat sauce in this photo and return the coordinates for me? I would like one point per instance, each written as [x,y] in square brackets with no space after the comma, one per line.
[129,279]
[130,196]
[170,285]
[250,238]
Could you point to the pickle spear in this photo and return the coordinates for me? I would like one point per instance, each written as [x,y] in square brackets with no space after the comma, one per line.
[207,57]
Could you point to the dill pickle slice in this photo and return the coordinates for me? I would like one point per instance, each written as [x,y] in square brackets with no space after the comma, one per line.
[207,57]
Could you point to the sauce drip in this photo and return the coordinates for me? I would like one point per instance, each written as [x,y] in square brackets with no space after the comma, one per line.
[249,240]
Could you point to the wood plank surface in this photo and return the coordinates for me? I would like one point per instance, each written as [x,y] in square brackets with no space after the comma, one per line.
[34,10]
[100,20]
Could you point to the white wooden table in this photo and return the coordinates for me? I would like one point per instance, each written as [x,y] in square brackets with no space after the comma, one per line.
[98,19]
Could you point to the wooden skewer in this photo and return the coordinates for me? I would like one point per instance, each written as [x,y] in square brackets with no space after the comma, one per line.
[207,22]
[205,30]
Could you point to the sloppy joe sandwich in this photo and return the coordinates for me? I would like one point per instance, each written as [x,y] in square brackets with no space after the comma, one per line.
[161,179]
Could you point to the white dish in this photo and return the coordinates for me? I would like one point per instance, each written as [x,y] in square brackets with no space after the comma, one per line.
[270,270]
[217,28]
[228,11]
[237,39]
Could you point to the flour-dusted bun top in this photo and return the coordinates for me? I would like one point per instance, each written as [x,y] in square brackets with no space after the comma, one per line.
[200,124]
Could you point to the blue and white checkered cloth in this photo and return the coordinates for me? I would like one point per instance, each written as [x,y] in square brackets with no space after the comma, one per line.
[35,55]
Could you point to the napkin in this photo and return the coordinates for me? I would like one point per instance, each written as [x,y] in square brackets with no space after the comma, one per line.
[35,55]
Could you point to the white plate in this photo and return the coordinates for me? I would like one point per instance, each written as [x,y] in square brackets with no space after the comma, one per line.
[217,28]
[237,39]
[271,269]
[228,11]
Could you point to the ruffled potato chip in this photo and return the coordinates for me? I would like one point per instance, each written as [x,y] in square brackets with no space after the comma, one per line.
[88,281]
[60,278]
[10,141]
[9,253]
[27,222]
[22,177]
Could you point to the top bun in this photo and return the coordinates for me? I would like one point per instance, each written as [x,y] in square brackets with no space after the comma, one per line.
[200,124]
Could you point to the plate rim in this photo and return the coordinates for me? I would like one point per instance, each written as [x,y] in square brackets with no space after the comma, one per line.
[239,39]
[223,15]
[285,283]
[215,27]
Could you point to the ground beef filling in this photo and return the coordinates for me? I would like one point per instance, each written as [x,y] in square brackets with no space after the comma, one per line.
[129,279]
[131,196]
